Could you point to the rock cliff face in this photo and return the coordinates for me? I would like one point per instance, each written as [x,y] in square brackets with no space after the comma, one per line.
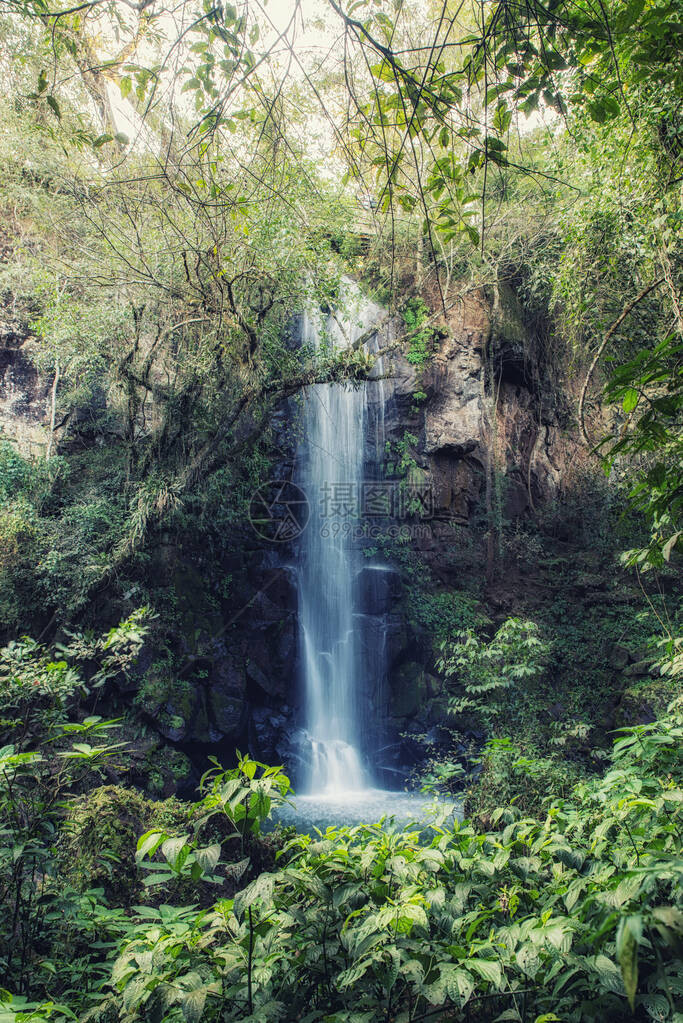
[480,409]
[476,406]
[485,401]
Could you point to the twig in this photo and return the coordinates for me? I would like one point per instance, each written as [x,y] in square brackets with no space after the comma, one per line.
[617,323]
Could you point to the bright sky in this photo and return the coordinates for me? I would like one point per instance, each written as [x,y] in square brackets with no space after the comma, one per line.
[313,46]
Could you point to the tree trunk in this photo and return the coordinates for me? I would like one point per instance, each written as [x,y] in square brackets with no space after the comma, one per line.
[53,412]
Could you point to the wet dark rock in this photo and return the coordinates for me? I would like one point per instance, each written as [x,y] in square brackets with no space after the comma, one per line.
[227,714]
[408,690]
[266,732]
[377,590]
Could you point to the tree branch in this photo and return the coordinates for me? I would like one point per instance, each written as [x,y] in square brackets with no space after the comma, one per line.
[591,369]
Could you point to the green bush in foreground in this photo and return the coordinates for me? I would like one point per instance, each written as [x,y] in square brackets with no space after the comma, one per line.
[572,913]
[574,916]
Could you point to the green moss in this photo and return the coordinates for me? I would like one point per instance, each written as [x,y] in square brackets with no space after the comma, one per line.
[444,613]
[164,768]
[160,686]
[646,701]
[99,837]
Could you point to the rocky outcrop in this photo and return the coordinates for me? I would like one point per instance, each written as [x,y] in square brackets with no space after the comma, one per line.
[485,397]
[23,393]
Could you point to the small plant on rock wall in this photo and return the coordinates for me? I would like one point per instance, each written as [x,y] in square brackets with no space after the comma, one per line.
[491,674]
[400,455]
[442,776]
[422,338]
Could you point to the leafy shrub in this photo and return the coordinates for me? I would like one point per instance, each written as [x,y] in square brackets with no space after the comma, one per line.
[494,674]
[445,613]
[422,338]
[572,915]
[35,688]
[15,471]
[513,774]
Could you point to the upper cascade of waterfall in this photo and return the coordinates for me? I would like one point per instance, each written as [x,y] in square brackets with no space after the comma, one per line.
[334,650]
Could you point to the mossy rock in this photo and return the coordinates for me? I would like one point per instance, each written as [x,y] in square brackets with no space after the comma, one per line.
[409,690]
[161,686]
[640,669]
[200,618]
[227,712]
[646,701]
[164,770]
[435,712]
[99,838]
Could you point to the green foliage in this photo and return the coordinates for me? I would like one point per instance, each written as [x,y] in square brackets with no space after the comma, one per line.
[567,905]
[520,776]
[495,675]
[38,904]
[401,456]
[441,775]
[160,686]
[46,760]
[245,795]
[30,679]
[234,804]
[571,915]
[650,390]
[443,614]
[15,471]
[422,338]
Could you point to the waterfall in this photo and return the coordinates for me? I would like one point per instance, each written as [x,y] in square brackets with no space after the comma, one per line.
[330,466]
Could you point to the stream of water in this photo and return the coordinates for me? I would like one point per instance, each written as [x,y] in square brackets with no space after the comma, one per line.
[330,472]
[342,643]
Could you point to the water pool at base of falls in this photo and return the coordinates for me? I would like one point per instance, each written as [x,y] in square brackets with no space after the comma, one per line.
[367,806]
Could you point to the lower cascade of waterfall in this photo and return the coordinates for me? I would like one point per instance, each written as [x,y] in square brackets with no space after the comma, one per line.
[335,655]
[335,765]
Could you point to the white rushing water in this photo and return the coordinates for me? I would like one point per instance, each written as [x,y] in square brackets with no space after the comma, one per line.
[399,809]
[330,471]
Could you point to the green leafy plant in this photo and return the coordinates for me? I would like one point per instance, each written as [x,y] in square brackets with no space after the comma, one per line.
[494,674]
[571,915]
[422,338]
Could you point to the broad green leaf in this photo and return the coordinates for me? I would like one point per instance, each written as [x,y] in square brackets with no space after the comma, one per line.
[628,936]
[630,400]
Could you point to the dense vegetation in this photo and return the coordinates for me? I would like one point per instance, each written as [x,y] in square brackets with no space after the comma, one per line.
[177,182]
